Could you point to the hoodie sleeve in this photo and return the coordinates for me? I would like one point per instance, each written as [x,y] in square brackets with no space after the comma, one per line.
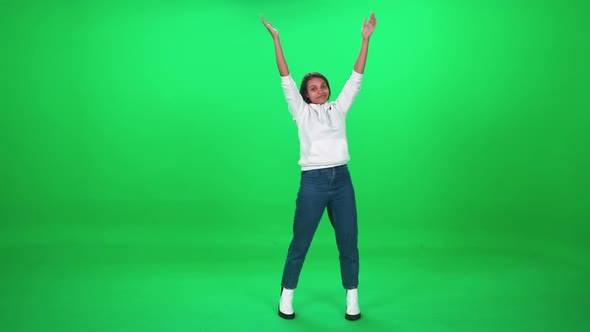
[294,100]
[349,92]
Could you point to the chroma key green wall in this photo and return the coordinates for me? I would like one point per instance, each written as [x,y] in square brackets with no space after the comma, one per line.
[149,165]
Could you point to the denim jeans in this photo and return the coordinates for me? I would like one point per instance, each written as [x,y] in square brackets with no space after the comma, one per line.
[321,189]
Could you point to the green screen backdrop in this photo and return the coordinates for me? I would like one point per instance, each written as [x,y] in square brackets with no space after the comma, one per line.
[149,165]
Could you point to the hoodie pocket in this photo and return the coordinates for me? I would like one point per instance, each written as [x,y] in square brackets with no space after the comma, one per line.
[328,150]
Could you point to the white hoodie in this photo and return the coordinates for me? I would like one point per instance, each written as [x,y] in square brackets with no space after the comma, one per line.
[322,129]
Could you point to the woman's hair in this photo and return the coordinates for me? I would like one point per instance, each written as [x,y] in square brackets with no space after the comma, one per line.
[306,78]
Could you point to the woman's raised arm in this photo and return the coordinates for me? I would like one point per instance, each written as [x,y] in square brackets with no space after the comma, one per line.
[366,31]
[281,63]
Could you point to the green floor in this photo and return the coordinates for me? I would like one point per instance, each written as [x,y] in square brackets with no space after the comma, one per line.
[149,268]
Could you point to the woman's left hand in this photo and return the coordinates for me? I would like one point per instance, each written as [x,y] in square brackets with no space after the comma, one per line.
[369,27]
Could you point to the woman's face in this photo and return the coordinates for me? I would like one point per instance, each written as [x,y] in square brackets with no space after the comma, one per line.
[317,90]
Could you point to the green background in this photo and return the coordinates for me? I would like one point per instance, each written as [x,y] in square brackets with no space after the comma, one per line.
[149,165]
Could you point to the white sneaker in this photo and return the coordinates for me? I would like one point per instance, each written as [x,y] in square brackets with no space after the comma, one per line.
[352,305]
[286,304]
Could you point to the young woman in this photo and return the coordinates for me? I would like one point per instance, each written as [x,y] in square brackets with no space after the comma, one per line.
[325,178]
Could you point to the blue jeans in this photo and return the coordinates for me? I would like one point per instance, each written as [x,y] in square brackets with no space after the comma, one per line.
[321,189]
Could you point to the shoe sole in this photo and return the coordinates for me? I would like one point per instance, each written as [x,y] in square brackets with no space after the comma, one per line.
[352,317]
[286,316]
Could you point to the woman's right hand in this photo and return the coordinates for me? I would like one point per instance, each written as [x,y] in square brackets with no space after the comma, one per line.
[273,32]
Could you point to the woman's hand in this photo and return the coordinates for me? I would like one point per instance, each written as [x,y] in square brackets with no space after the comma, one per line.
[273,32]
[368,27]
